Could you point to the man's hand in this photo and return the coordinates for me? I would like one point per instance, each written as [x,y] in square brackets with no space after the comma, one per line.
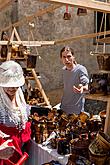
[78,89]
[81,88]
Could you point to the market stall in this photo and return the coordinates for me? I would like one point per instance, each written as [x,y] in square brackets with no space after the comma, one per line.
[77,138]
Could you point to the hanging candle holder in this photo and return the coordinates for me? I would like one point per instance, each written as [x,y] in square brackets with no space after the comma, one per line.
[81,11]
[67,15]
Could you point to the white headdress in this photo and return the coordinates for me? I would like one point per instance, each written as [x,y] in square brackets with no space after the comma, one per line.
[11,74]
[7,109]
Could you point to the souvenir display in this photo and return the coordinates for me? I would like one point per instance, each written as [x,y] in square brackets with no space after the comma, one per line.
[73,135]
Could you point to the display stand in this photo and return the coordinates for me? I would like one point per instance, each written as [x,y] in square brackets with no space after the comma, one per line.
[107,120]
[24,59]
[106,98]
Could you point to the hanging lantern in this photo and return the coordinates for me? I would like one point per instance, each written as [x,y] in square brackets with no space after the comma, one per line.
[81,12]
[67,15]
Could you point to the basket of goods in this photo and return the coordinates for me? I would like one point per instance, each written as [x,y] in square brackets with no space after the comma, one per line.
[63,146]
[31,61]
[103,60]
[78,160]
[97,153]
[79,146]
[104,140]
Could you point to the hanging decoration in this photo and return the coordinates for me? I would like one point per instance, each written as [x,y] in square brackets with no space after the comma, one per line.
[67,15]
[81,11]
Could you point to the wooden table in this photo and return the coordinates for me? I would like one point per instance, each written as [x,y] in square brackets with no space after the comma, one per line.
[101,97]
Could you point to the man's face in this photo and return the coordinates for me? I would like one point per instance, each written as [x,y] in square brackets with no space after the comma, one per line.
[68,59]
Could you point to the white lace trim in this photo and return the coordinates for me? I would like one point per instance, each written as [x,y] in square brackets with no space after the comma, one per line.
[6,106]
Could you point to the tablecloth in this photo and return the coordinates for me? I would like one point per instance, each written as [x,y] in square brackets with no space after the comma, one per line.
[42,154]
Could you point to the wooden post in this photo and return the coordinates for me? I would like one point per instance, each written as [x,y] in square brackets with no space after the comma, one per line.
[107,120]
[9,54]
[29,88]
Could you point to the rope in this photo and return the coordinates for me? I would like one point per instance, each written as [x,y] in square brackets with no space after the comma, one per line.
[99,32]
[30,32]
[104,44]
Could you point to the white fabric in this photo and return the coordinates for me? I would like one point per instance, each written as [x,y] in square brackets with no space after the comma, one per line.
[42,154]
[46,155]
[6,105]
[11,74]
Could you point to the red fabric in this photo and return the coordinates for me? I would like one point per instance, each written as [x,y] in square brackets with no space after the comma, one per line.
[19,137]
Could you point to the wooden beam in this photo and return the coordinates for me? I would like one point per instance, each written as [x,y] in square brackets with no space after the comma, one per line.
[27,19]
[28,43]
[4,4]
[104,40]
[88,4]
[60,41]
[17,35]
[85,36]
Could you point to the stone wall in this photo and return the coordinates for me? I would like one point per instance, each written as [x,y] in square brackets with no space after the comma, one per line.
[52,26]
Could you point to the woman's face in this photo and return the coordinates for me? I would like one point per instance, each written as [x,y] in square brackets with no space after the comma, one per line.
[10,91]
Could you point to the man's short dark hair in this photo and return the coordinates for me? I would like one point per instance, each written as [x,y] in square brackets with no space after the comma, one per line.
[66,48]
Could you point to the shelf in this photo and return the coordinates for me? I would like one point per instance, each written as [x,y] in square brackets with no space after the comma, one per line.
[31,78]
[14,58]
[99,97]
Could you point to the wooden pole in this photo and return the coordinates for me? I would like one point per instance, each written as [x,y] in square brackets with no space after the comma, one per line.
[88,4]
[107,120]
[83,36]
[28,43]
[9,53]
[4,4]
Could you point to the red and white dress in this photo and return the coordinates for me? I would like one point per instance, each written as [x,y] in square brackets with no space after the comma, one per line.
[14,122]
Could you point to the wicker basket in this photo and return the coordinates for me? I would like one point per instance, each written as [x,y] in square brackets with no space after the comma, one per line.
[97,154]
[31,61]
[104,140]
[104,61]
